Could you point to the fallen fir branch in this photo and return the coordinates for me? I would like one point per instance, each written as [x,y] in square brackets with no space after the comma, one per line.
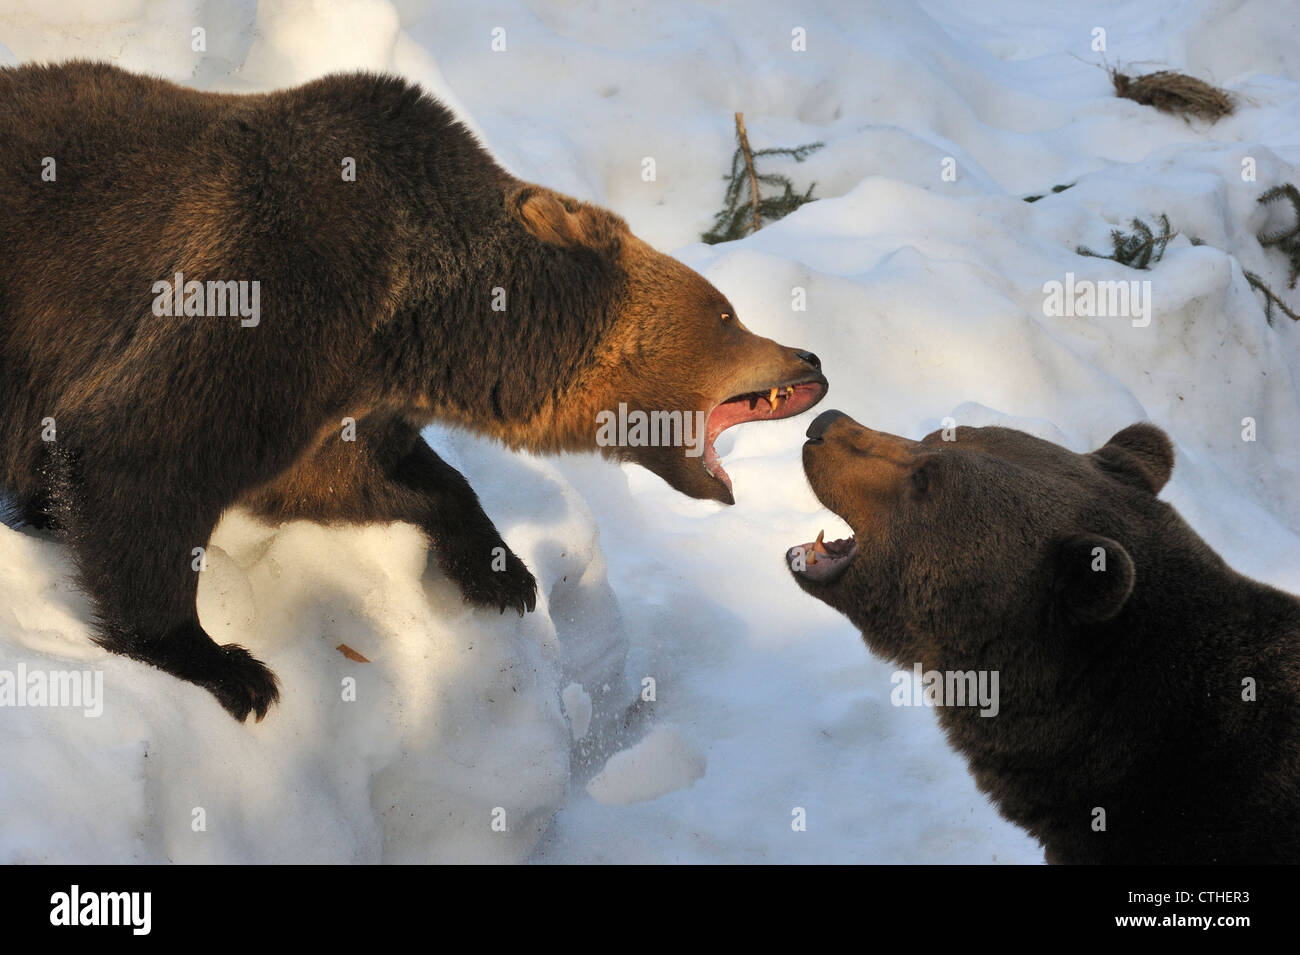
[743,214]
[1288,240]
[1270,298]
[1138,249]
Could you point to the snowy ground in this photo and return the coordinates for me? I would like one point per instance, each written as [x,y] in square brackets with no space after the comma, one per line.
[925,299]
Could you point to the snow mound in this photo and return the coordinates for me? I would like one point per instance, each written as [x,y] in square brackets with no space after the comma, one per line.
[662,763]
[452,725]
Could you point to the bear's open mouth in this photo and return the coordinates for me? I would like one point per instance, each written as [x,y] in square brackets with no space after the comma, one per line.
[821,561]
[780,401]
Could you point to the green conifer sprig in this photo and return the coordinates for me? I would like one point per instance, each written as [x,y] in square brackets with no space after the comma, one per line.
[1143,247]
[1271,298]
[1288,240]
[744,212]
[1137,249]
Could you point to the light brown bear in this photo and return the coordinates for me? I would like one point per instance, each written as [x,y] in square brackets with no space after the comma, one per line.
[199,292]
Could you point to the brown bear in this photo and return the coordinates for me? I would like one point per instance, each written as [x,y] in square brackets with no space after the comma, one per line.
[210,300]
[1148,696]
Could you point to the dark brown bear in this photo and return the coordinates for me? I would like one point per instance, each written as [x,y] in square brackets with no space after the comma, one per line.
[346,250]
[1143,684]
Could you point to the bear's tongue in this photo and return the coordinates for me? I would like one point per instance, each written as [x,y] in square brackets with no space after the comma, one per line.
[821,560]
[782,402]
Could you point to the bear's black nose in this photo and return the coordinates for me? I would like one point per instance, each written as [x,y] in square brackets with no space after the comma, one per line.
[810,358]
[822,422]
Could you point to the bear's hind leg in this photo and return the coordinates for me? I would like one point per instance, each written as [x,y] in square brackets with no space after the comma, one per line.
[240,682]
[133,536]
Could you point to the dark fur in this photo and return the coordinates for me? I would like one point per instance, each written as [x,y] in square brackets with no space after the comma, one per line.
[1119,689]
[375,304]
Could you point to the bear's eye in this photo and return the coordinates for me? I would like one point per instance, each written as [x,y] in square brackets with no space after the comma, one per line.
[726,318]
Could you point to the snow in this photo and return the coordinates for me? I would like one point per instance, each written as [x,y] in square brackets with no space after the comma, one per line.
[663,762]
[675,698]
[578,709]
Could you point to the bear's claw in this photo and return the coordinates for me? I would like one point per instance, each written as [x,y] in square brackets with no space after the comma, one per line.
[246,685]
[514,587]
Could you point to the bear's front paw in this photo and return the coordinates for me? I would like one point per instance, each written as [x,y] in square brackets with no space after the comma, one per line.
[491,576]
[244,684]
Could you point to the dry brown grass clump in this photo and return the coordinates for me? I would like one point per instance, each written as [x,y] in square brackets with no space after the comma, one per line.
[1173,92]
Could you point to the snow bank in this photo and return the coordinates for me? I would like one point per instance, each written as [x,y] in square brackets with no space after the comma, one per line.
[675,697]
[663,762]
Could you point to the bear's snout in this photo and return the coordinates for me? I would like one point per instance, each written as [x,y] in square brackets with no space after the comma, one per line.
[809,358]
[822,422]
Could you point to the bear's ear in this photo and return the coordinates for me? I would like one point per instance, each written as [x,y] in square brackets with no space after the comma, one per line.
[562,220]
[1094,577]
[1141,455]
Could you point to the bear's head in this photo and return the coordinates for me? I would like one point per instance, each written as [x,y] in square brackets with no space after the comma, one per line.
[981,537]
[673,366]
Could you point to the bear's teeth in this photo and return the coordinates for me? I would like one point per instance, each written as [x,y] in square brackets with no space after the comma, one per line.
[771,398]
[818,545]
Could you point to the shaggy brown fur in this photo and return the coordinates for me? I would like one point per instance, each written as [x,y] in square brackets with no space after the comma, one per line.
[376,300]
[1122,688]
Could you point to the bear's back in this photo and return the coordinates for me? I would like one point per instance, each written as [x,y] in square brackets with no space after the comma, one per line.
[110,182]
[146,180]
